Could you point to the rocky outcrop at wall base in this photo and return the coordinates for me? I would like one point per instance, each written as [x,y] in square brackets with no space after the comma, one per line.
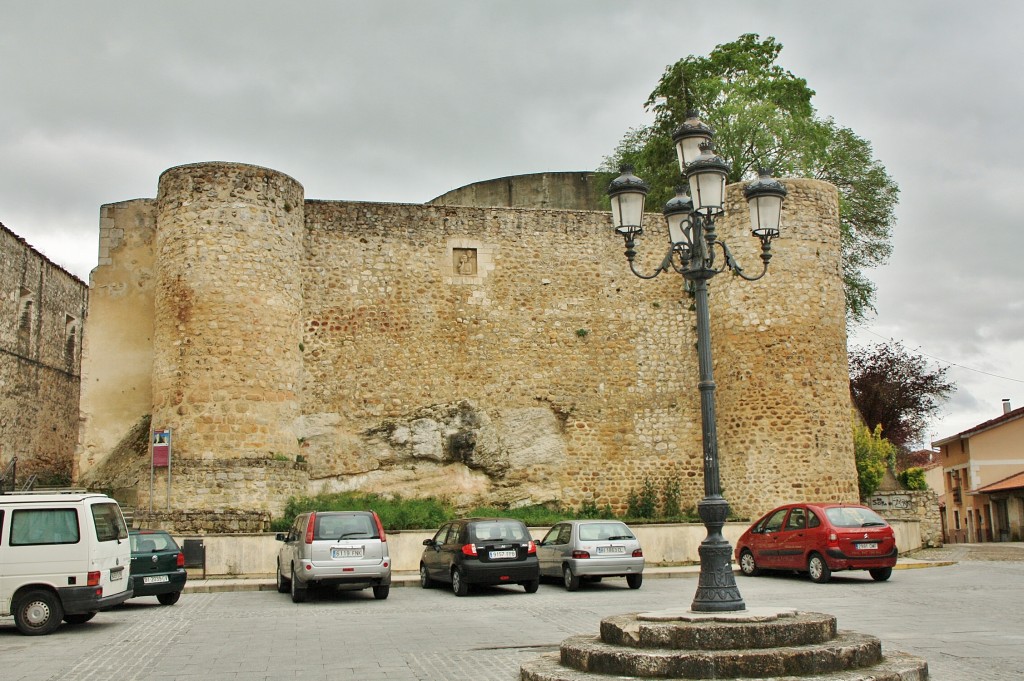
[454,450]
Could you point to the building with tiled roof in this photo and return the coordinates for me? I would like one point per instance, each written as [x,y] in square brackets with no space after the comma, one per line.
[983,480]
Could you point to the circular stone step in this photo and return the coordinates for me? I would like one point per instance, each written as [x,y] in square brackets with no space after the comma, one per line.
[896,666]
[792,629]
[849,650]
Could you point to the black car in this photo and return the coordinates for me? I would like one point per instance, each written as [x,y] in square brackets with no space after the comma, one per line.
[158,566]
[485,551]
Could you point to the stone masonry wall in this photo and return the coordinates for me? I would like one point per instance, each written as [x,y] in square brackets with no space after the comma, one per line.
[549,317]
[491,355]
[42,311]
[920,505]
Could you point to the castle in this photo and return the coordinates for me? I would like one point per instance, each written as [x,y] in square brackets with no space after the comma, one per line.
[488,354]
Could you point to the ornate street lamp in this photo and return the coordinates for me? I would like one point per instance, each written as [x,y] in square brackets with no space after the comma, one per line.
[693,245]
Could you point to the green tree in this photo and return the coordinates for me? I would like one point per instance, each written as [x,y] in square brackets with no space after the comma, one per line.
[873,454]
[897,390]
[763,117]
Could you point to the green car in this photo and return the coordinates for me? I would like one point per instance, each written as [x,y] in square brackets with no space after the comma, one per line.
[158,566]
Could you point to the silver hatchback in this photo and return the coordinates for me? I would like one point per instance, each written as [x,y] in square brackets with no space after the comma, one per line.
[577,550]
[334,548]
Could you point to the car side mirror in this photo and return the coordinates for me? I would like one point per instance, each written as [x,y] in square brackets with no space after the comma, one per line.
[428,542]
[280,536]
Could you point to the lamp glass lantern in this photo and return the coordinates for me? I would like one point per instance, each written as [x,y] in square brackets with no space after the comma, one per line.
[764,197]
[688,138]
[628,193]
[706,176]
[678,212]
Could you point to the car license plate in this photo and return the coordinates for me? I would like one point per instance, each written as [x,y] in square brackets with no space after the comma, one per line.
[604,550]
[116,574]
[156,579]
[501,554]
[867,546]
[347,552]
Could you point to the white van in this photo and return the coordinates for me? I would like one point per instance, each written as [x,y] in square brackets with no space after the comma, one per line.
[63,556]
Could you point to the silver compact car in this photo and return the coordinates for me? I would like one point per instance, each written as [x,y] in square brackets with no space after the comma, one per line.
[578,550]
[347,549]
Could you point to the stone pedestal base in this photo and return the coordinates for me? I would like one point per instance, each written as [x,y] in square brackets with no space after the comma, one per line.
[781,645]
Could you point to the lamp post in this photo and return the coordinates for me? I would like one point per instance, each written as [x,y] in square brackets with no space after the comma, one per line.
[692,252]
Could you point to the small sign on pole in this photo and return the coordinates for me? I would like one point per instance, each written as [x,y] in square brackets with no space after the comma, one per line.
[161,448]
[161,458]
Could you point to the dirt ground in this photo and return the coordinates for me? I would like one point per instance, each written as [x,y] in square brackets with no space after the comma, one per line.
[996,551]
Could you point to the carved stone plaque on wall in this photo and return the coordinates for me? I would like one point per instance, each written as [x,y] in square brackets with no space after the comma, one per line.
[464,261]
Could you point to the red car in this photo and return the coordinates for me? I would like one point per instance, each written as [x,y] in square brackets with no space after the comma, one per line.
[819,539]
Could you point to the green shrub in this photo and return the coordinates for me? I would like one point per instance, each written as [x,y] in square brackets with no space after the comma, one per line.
[671,494]
[642,503]
[873,453]
[913,479]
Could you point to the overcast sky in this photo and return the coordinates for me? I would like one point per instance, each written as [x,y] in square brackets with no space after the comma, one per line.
[402,101]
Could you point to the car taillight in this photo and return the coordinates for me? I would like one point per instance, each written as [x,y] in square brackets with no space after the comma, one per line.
[180,562]
[469,549]
[581,554]
[93,579]
[638,553]
[309,527]
[380,527]
[833,539]
[531,548]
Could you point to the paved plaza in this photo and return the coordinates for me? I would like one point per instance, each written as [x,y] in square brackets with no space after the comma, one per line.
[965,619]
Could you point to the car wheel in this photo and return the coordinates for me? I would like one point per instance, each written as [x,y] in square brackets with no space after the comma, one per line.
[747,564]
[298,592]
[634,581]
[571,581]
[818,569]
[79,618]
[531,586]
[880,574]
[459,585]
[381,592]
[169,598]
[425,581]
[37,613]
[283,585]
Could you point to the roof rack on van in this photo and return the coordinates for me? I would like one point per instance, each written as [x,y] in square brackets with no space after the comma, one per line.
[56,490]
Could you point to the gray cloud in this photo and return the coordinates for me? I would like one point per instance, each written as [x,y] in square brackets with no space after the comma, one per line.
[404,100]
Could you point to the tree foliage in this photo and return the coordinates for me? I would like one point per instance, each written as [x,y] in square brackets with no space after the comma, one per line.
[763,117]
[873,454]
[897,390]
[913,479]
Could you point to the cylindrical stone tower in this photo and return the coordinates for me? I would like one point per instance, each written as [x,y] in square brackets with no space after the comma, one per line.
[227,367]
[780,358]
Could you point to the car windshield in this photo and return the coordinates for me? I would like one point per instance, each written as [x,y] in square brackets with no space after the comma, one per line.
[604,531]
[853,516]
[498,530]
[354,526]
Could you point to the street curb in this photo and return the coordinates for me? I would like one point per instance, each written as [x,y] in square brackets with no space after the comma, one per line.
[407,579]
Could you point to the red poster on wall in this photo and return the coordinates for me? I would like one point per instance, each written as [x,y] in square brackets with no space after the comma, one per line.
[161,448]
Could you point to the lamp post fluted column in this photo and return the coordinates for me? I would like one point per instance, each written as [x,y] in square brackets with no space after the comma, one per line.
[693,245]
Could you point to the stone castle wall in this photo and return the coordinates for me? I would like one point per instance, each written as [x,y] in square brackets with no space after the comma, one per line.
[493,355]
[42,311]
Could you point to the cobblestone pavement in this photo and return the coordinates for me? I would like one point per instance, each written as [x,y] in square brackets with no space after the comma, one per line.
[966,620]
[1012,551]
